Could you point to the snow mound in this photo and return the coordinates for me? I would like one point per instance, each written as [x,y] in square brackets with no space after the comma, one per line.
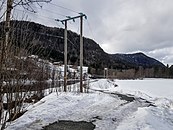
[148,119]
[103,84]
[164,102]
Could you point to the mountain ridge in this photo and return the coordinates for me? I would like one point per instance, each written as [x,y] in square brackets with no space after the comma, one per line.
[50,40]
[139,59]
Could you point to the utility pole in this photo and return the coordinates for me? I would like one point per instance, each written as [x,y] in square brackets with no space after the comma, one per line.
[65,57]
[65,48]
[105,72]
[81,54]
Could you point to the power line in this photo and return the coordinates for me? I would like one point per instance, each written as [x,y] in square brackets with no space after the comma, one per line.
[58,25]
[53,12]
[30,12]
[49,35]
[71,42]
[91,31]
[35,14]
[64,8]
[89,27]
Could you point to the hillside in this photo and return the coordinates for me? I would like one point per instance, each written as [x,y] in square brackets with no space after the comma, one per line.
[136,60]
[48,42]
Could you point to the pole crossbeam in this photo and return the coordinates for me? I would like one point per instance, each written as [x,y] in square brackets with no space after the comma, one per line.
[71,18]
[81,48]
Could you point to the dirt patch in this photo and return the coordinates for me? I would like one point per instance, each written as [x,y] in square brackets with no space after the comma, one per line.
[124,97]
[70,125]
[131,98]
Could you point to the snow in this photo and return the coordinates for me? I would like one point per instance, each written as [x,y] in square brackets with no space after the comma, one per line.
[104,108]
[148,119]
[154,87]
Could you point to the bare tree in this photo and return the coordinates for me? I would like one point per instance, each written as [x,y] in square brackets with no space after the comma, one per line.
[18,68]
[10,64]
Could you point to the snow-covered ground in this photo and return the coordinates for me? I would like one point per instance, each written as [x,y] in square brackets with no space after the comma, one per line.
[104,106]
[153,87]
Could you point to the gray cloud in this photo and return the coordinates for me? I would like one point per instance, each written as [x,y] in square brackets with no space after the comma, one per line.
[124,26]
[130,26]
[163,54]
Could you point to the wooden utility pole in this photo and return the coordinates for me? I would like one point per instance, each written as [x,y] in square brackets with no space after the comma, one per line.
[65,49]
[65,57]
[81,54]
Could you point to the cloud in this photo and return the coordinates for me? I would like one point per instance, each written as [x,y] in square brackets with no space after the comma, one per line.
[133,25]
[163,54]
[123,26]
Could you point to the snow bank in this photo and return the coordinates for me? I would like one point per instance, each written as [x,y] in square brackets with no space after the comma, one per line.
[148,119]
[66,106]
[161,88]
[102,107]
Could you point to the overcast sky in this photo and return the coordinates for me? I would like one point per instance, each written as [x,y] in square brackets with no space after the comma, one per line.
[119,26]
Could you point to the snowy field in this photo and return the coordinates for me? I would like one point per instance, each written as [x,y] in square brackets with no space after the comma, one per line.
[153,87]
[108,106]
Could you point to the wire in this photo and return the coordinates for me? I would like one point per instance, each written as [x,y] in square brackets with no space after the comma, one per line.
[90,28]
[74,40]
[52,12]
[50,35]
[36,14]
[58,25]
[64,8]
[30,12]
